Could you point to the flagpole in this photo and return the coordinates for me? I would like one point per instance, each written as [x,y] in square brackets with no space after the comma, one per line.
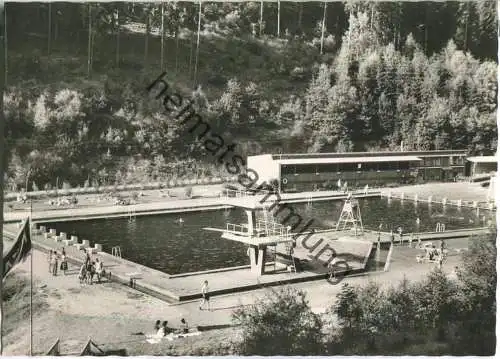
[2,149]
[31,279]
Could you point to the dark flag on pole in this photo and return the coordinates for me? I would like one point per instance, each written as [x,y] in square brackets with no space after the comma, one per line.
[19,250]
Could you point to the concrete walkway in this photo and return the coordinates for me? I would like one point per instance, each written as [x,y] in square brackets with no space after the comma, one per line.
[453,191]
[187,286]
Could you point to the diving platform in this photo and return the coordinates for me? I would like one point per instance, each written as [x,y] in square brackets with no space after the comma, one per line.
[257,234]
[251,240]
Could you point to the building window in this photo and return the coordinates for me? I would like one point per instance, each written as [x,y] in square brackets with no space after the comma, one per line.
[459,160]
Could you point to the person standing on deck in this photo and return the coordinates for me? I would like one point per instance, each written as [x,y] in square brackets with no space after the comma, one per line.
[49,260]
[99,269]
[205,295]
[64,262]
[87,258]
[400,231]
[82,274]
[441,245]
[54,262]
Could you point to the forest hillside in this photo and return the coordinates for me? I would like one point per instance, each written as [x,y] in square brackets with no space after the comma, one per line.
[270,76]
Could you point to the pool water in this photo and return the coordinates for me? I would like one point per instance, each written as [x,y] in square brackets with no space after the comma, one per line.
[172,246]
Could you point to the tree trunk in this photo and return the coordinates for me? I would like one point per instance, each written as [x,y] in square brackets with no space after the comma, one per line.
[191,55]
[56,29]
[323,29]
[177,50]
[466,28]
[299,25]
[4,44]
[89,48]
[261,18]
[279,15]
[3,167]
[92,42]
[49,37]
[146,41]
[162,34]
[117,38]
[197,47]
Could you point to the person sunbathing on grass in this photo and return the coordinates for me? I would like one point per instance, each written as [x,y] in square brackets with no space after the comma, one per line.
[157,326]
[157,330]
[184,328]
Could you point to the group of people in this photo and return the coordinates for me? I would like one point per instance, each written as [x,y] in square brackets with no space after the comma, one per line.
[162,329]
[57,262]
[89,269]
[63,201]
[433,254]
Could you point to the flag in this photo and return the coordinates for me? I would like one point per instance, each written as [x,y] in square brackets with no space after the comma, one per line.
[19,250]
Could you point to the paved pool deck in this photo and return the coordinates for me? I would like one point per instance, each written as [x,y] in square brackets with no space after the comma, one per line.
[172,206]
[187,286]
[465,192]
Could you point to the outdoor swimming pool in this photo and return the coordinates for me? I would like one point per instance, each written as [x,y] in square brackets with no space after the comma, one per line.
[163,243]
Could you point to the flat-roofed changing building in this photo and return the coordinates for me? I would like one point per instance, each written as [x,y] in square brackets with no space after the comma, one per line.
[321,171]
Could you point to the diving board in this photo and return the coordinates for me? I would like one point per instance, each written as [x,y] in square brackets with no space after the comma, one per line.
[257,241]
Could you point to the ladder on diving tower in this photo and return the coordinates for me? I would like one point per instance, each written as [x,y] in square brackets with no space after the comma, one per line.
[289,252]
[268,224]
[350,215]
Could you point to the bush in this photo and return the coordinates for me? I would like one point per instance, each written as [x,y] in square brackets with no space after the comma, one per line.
[282,324]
